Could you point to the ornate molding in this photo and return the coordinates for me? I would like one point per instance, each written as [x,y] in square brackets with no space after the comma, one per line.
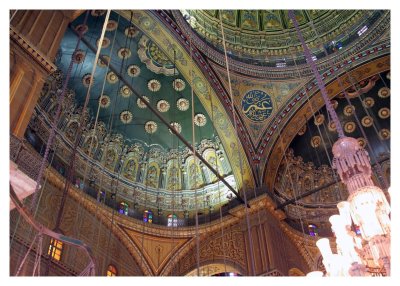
[43,61]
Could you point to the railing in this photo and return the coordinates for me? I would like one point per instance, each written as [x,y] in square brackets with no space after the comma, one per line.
[25,157]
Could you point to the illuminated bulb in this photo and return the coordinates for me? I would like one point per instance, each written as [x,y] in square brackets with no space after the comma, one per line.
[324,247]
[344,210]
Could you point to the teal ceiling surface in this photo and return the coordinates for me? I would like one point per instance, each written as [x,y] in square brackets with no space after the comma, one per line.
[145,55]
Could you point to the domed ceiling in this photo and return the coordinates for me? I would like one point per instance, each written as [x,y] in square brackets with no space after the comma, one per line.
[149,71]
[266,37]
[130,142]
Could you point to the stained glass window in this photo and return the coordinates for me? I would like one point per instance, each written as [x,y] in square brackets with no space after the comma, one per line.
[312,230]
[111,270]
[172,220]
[123,208]
[55,249]
[148,216]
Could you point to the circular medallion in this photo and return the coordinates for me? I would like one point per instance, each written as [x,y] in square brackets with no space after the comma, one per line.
[125,91]
[368,102]
[102,64]
[126,116]
[131,32]
[124,53]
[384,92]
[334,103]
[105,44]
[388,75]
[349,127]
[133,70]
[78,56]
[332,126]
[319,119]
[177,127]
[257,105]
[182,104]
[86,79]
[362,142]
[111,25]
[141,104]
[384,112]
[154,85]
[348,110]
[150,127]
[97,13]
[162,105]
[367,121]
[178,84]
[82,29]
[112,77]
[384,134]
[200,119]
[303,130]
[104,101]
[315,141]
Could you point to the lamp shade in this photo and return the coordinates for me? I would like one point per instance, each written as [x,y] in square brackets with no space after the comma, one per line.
[324,247]
[344,210]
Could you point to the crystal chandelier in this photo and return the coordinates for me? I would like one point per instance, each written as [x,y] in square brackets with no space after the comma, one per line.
[366,206]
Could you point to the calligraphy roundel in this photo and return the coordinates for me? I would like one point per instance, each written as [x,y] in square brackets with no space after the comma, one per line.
[257,105]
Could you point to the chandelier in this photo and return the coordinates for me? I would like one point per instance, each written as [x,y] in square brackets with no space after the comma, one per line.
[367,251]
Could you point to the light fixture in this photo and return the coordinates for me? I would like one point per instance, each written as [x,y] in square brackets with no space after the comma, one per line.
[365,207]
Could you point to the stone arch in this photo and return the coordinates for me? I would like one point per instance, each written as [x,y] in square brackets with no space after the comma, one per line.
[174,175]
[212,268]
[211,157]
[152,175]
[130,168]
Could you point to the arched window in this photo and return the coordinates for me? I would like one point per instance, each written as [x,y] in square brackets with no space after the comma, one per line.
[312,230]
[55,249]
[172,220]
[123,208]
[148,216]
[111,270]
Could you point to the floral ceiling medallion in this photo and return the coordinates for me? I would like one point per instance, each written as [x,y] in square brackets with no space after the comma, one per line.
[124,53]
[332,126]
[362,142]
[384,112]
[126,116]
[367,121]
[154,85]
[105,44]
[200,119]
[111,25]
[349,127]
[163,105]
[141,104]
[334,103]
[177,127]
[154,58]
[133,71]
[182,104]
[150,127]
[348,110]
[178,84]
[78,56]
[82,29]
[384,92]
[319,119]
[125,91]
[131,32]
[104,101]
[368,102]
[86,79]
[112,77]
[315,141]
[302,130]
[384,134]
[101,63]
[97,13]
